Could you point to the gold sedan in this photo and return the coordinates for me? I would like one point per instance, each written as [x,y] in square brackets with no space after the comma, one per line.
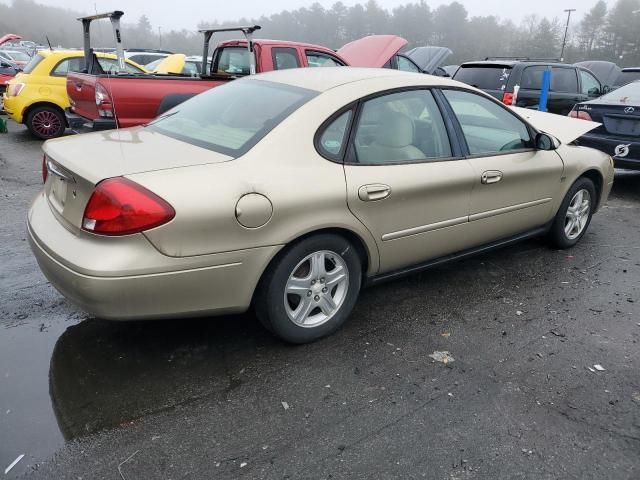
[291,190]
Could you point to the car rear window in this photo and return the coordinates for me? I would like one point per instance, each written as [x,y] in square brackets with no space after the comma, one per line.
[33,63]
[626,77]
[489,77]
[232,118]
[233,61]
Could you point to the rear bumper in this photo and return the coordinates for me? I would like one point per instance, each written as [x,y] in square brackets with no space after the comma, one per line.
[80,124]
[127,278]
[629,150]
[12,107]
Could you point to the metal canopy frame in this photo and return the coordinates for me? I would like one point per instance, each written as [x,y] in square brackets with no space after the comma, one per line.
[114,17]
[246,31]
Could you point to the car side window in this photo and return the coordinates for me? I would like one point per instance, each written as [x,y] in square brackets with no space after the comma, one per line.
[406,65]
[75,64]
[590,84]
[488,127]
[564,80]
[399,128]
[334,135]
[532,78]
[110,65]
[233,61]
[284,58]
[317,59]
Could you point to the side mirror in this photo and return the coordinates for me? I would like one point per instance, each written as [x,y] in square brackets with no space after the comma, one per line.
[544,141]
[595,92]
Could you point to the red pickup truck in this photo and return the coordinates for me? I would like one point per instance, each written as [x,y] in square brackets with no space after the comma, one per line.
[101,101]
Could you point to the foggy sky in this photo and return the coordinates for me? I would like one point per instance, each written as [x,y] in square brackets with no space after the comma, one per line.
[170,14]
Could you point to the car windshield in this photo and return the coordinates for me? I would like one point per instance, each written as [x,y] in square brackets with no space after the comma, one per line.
[629,94]
[19,56]
[627,77]
[232,118]
[491,77]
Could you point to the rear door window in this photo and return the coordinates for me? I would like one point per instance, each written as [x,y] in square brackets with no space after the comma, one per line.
[532,77]
[75,64]
[564,80]
[491,77]
[284,58]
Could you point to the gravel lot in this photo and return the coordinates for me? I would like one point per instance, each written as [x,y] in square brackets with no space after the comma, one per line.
[221,398]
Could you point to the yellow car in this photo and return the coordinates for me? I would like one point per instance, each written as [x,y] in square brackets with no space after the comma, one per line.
[37,96]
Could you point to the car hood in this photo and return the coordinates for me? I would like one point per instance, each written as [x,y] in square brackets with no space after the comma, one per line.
[9,37]
[112,153]
[565,129]
[429,58]
[606,72]
[372,51]
[171,64]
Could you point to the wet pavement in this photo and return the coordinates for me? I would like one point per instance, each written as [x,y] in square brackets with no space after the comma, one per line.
[221,398]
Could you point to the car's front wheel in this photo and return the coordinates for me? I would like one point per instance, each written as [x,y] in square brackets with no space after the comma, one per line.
[310,290]
[574,215]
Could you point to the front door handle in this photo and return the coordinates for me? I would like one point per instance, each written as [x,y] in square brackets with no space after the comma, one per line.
[491,176]
[373,192]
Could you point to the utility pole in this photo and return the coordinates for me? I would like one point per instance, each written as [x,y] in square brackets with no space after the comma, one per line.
[566,31]
[160,35]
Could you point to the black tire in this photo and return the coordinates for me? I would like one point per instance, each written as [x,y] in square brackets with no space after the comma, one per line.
[557,235]
[46,122]
[270,298]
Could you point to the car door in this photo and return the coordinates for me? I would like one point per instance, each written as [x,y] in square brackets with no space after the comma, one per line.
[514,183]
[564,93]
[405,181]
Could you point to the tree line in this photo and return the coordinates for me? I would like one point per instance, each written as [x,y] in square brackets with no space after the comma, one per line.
[605,32]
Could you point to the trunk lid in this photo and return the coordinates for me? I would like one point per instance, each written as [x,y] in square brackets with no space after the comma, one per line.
[565,129]
[76,164]
[81,89]
[429,58]
[372,51]
[171,64]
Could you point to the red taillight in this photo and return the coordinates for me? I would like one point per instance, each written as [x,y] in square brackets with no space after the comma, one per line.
[507,98]
[103,102]
[14,89]
[45,170]
[582,115]
[120,207]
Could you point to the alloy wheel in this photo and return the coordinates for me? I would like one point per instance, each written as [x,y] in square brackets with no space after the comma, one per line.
[46,123]
[316,289]
[577,215]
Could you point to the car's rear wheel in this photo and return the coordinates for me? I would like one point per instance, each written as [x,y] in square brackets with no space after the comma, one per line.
[574,215]
[310,290]
[46,122]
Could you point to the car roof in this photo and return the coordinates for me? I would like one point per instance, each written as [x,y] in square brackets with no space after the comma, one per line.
[323,79]
[267,41]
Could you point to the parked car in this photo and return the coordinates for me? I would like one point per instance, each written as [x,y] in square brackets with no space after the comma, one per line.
[618,114]
[627,75]
[178,63]
[8,70]
[430,59]
[15,56]
[300,188]
[570,84]
[143,56]
[379,51]
[137,100]
[606,72]
[37,96]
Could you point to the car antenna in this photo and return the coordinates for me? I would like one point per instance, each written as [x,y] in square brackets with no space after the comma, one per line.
[50,47]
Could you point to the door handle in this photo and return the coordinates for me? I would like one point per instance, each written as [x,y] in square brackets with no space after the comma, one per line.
[491,176]
[373,192]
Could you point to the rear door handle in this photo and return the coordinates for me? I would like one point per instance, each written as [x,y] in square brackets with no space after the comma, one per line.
[491,176]
[373,192]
